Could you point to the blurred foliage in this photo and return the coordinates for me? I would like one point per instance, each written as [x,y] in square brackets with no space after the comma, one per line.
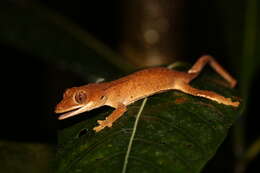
[240,29]
[20,157]
[32,27]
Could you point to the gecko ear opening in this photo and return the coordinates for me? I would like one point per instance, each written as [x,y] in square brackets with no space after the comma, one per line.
[103,98]
[80,97]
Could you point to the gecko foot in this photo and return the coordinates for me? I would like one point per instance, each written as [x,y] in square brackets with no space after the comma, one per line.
[102,125]
[228,101]
[235,104]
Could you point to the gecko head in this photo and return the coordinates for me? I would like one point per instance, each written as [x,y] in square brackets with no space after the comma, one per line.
[77,100]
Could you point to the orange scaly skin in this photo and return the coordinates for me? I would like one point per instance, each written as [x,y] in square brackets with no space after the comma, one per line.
[124,91]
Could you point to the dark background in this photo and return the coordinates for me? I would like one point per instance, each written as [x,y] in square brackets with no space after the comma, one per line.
[33,85]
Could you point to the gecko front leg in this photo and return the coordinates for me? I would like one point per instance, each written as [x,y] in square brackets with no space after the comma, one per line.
[117,113]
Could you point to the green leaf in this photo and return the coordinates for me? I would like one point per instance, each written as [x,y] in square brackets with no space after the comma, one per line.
[176,133]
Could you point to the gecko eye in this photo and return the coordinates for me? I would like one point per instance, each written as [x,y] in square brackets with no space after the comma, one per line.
[80,97]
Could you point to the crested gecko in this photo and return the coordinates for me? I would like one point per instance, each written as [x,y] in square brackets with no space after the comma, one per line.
[126,90]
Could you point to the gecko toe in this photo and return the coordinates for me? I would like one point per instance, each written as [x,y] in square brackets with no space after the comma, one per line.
[98,128]
[109,124]
[100,121]
[104,123]
[236,104]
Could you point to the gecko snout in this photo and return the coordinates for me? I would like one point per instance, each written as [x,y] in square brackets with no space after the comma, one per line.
[59,109]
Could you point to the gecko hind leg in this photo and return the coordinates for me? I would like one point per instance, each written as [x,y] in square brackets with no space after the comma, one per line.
[186,88]
[202,61]
[117,113]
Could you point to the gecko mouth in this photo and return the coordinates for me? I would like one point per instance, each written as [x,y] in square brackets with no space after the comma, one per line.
[75,111]
[71,113]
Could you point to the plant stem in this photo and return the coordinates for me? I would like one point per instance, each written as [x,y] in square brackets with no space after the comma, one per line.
[133,135]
